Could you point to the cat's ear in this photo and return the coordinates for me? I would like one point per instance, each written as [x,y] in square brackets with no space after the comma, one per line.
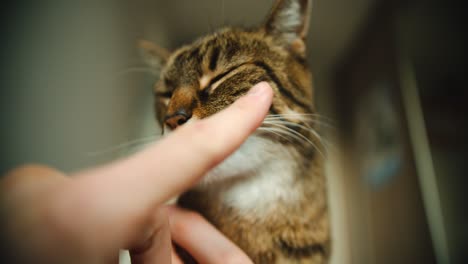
[154,55]
[288,22]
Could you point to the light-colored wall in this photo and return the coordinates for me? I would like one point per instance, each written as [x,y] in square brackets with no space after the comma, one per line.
[67,93]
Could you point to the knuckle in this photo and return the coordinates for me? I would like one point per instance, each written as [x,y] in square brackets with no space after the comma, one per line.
[192,216]
[177,225]
[184,223]
[187,223]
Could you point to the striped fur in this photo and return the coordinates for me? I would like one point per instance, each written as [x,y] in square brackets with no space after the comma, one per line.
[275,215]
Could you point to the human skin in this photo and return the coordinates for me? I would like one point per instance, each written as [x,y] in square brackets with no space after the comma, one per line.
[50,217]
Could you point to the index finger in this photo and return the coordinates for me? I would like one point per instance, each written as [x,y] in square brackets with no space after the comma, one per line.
[176,162]
[113,194]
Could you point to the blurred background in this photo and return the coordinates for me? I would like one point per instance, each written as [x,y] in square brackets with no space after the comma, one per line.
[388,74]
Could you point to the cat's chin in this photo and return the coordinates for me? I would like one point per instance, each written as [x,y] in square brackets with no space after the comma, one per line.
[252,157]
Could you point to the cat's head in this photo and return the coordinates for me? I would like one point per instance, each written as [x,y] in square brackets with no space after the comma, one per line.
[202,78]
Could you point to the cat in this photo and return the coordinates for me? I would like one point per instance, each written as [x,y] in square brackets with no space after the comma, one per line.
[269,197]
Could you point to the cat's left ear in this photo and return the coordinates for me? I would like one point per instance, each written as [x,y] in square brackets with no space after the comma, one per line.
[154,55]
[288,22]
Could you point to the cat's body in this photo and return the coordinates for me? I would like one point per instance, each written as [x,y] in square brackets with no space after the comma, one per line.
[270,213]
[269,197]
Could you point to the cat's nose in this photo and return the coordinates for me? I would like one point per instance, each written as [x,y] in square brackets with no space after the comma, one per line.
[177,119]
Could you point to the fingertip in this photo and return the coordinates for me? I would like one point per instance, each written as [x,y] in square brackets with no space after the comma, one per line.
[259,96]
[260,89]
[255,104]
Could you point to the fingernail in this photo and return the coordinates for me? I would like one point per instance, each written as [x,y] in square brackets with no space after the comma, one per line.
[257,89]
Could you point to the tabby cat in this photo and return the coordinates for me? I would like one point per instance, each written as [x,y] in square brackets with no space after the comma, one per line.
[269,197]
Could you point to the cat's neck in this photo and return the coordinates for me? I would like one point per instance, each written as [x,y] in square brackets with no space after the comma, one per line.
[256,178]
[260,193]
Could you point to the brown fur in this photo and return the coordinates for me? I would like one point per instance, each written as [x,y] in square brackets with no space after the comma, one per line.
[232,61]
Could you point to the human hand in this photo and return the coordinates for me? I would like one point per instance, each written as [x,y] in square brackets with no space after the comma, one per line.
[48,217]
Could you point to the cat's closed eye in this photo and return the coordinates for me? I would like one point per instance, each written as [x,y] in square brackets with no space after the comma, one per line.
[167,92]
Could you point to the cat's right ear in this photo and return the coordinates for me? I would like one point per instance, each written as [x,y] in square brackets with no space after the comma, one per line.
[154,55]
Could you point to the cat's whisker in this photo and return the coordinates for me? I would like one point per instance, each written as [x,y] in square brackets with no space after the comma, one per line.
[305,119]
[288,123]
[285,134]
[275,131]
[305,124]
[320,139]
[297,134]
[301,114]
[327,146]
[126,145]
[304,116]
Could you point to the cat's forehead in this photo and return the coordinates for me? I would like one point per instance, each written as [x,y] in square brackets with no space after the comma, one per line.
[214,52]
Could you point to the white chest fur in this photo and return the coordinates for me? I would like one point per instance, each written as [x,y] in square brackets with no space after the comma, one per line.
[260,173]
